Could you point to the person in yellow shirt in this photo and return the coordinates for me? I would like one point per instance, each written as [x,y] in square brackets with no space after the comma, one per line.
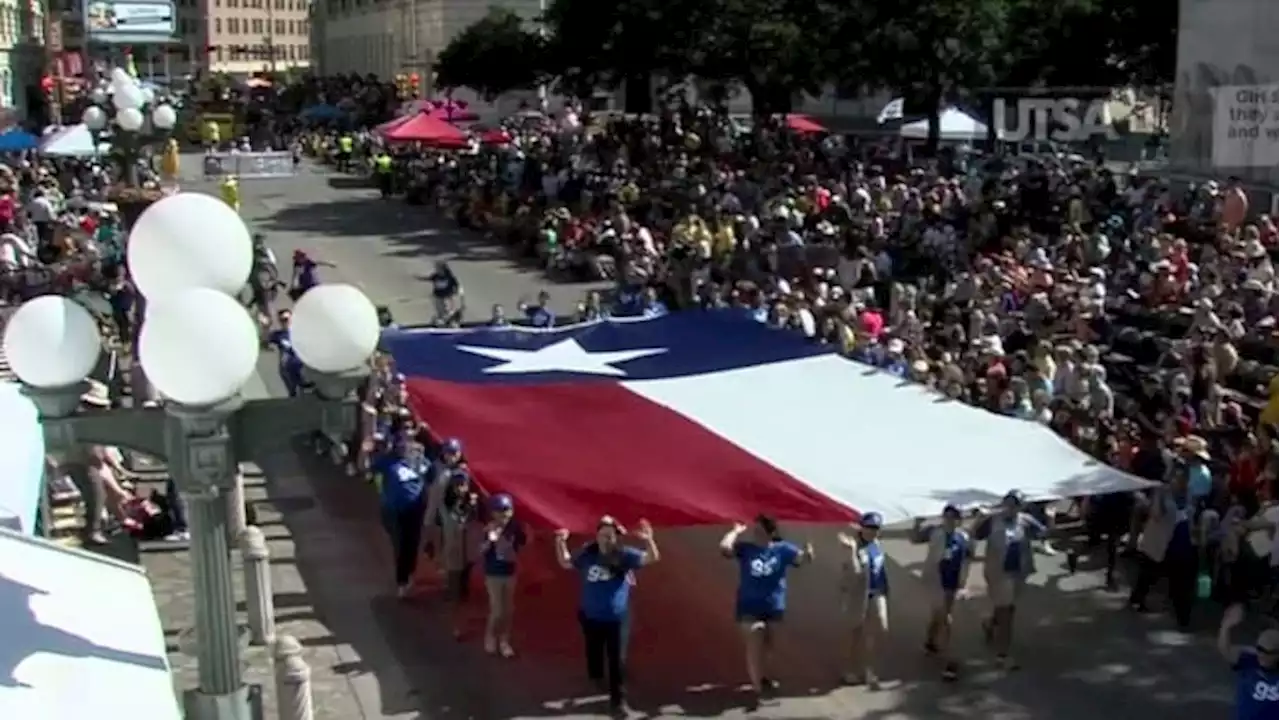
[231,192]
[170,162]
[346,145]
[212,135]
[1271,410]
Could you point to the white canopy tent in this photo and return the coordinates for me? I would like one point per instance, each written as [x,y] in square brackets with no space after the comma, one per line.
[73,141]
[82,636]
[954,126]
[21,460]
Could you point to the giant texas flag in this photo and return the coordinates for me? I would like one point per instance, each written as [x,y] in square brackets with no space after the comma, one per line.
[710,417]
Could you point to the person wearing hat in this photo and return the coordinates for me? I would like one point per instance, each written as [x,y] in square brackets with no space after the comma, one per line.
[606,568]
[1008,562]
[763,559]
[950,551]
[1195,452]
[503,539]
[864,588]
[1257,693]
[459,532]
[405,472]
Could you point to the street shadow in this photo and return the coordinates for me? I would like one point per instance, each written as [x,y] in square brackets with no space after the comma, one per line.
[411,231]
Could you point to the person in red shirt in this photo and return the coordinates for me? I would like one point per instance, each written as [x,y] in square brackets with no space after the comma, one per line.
[8,208]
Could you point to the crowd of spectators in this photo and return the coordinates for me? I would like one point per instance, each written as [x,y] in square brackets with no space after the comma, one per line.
[1134,317]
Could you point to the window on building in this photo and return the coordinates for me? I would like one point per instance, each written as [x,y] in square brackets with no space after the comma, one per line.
[219,54]
[279,27]
[279,4]
[217,25]
[257,27]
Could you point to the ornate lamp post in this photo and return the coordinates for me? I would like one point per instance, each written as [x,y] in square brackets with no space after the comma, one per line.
[135,118]
[187,254]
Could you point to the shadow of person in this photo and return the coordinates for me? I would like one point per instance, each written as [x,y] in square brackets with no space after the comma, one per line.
[26,636]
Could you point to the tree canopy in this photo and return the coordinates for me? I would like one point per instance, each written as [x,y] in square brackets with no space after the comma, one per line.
[494,55]
[929,52]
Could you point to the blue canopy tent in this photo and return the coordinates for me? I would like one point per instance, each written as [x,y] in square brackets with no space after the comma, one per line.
[323,113]
[17,139]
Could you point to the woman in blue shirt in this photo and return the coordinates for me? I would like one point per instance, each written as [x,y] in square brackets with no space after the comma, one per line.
[1257,695]
[1007,564]
[405,473]
[864,586]
[605,567]
[763,559]
[950,553]
[503,540]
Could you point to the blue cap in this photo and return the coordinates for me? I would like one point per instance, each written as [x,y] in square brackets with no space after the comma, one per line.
[459,475]
[452,445]
[872,520]
[1014,496]
[501,502]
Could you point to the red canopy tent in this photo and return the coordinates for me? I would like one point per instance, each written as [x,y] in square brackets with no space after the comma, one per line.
[494,136]
[454,114]
[426,129]
[803,124]
[390,125]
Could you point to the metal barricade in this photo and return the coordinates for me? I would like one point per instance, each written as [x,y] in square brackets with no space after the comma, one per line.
[249,165]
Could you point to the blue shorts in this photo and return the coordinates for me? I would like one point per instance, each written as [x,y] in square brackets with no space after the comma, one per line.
[767,617]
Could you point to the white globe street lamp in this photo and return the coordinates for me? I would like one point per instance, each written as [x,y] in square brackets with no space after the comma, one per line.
[52,342]
[130,119]
[94,118]
[164,117]
[189,240]
[334,328]
[198,347]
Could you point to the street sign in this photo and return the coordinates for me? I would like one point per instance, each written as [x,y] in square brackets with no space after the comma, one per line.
[249,165]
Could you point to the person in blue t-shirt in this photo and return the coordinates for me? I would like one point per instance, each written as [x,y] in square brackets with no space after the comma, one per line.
[1008,563]
[289,364]
[405,473]
[864,587]
[763,559]
[950,553]
[539,315]
[653,307]
[503,540]
[606,568]
[1257,693]
[446,293]
[629,300]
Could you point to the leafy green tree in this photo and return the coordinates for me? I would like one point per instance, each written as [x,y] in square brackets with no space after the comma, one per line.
[933,52]
[776,49]
[494,55]
[594,44]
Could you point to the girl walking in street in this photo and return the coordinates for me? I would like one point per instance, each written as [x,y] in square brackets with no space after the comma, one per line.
[503,539]
[763,559]
[606,567]
[950,553]
[865,588]
[459,540]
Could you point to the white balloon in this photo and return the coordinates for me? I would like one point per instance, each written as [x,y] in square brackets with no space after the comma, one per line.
[334,328]
[98,96]
[148,96]
[130,119]
[189,240]
[121,77]
[52,342]
[198,346]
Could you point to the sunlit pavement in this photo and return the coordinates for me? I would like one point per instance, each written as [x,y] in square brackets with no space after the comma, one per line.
[1083,655]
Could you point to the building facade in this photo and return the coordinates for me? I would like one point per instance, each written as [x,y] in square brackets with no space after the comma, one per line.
[22,60]
[230,36]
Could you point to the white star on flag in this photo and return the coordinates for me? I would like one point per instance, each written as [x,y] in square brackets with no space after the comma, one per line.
[564,356]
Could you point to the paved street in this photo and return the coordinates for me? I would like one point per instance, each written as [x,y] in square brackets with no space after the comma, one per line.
[374,657]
